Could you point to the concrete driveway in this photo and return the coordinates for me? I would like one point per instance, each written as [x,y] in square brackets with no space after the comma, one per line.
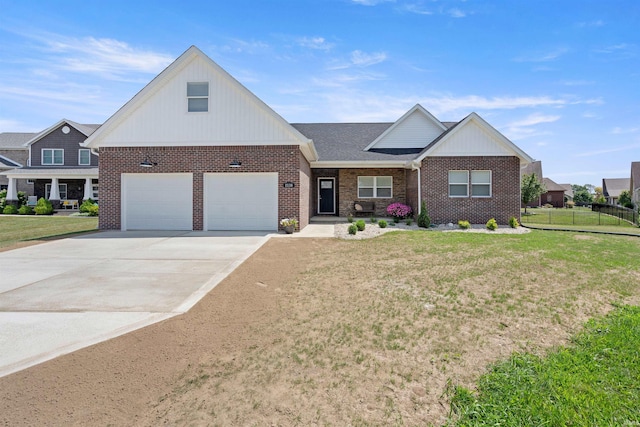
[67,294]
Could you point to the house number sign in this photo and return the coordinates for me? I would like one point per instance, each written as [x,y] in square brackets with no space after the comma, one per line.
[289,184]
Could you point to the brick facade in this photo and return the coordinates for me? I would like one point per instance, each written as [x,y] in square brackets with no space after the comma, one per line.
[348,189]
[283,159]
[503,204]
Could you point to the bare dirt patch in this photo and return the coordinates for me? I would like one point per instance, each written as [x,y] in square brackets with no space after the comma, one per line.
[316,332]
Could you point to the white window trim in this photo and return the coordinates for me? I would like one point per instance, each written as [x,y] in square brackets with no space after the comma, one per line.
[80,151]
[53,157]
[198,97]
[490,184]
[449,183]
[47,190]
[375,187]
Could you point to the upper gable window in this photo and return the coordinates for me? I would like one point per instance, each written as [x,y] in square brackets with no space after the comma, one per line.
[84,157]
[198,97]
[52,156]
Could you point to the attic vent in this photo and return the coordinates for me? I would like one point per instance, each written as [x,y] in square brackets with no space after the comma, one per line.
[198,97]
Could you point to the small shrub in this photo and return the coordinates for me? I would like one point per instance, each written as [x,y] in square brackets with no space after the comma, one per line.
[349,218]
[396,220]
[10,210]
[22,198]
[373,220]
[43,207]
[548,206]
[399,210]
[513,222]
[91,208]
[465,225]
[423,218]
[26,210]
[352,229]
[492,224]
[382,223]
[408,221]
[360,224]
[569,205]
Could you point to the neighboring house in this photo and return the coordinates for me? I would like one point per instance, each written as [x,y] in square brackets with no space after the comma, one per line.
[196,150]
[612,187]
[634,183]
[13,154]
[555,195]
[568,192]
[58,165]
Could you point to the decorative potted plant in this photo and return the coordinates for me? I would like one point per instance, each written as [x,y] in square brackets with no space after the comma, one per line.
[289,224]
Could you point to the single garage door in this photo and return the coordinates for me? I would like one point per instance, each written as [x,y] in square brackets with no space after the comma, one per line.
[157,201]
[241,201]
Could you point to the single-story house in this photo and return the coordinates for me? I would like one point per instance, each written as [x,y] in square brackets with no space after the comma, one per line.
[196,150]
[612,187]
[634,183]
[58,166]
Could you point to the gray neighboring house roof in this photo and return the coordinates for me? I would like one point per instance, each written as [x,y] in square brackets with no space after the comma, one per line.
[15,140]
[533,167]
[635,176]
[612,187]
[551,185]
[568,190]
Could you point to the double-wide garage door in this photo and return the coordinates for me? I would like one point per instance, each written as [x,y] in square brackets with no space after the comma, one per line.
[232,201]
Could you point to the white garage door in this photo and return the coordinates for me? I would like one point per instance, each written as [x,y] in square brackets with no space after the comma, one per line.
[241,201]
[157,201]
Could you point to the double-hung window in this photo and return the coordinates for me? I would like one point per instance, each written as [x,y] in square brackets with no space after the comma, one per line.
[62,190]
[480,183]
[52,156]
[84,157]
[198,97]
[458,183]
[375,187]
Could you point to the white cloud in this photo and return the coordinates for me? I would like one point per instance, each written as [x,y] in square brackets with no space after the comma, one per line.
[577,82]
[609,150]
[104,56]
[319,43]
[456,13]
[587,24]
[416,8]
[363,59]
[616,48]
[551,55]
[620,131]
[371,2]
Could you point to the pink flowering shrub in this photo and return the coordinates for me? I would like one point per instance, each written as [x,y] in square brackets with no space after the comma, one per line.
[399,210]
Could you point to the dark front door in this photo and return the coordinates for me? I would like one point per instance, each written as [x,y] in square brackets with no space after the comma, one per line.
[326,196]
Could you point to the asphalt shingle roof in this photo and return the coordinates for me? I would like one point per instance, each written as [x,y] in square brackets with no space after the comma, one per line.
[15,139]
[612,187]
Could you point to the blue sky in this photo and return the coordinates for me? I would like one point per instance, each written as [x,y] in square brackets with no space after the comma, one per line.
[561,79]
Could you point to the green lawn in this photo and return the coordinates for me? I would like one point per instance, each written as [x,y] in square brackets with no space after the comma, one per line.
[593,382]
[14,229]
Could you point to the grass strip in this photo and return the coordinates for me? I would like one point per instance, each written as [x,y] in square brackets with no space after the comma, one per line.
[593,382]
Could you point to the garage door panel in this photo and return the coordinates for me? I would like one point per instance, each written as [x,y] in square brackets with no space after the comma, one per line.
[157,201]
[241,201]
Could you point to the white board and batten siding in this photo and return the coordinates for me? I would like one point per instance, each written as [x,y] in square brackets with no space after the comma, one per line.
[235,116]
[472,140]
[155,201]
[414,131]
[241,201]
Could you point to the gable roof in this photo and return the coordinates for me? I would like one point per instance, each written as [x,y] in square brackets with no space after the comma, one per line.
[86,130]
[208,65]
[550,185]
[612,187]
[568,189]
[8,163]
[15,140]
[474,119]
[423,129]
[533,167]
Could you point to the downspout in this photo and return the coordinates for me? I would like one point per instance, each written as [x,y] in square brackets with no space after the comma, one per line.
[416,167]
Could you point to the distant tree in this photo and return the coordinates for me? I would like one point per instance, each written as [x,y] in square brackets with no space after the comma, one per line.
[582,195]
[598,192]
[625,199]
[590,188]
[530,189]
[600,199]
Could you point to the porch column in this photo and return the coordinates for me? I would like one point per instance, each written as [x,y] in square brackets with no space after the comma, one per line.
[12,193]
[55,190]
[88,189]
